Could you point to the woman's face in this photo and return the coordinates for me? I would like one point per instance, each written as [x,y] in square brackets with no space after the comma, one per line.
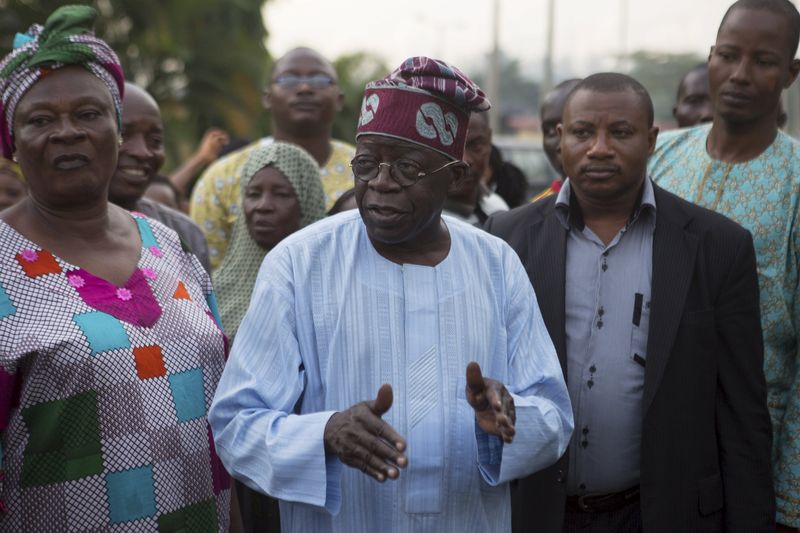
[271,208]
[65,132]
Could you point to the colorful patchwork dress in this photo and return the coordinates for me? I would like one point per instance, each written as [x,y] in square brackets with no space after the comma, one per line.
[104,392]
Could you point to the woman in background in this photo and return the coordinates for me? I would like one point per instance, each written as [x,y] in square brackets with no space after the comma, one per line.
[281,193]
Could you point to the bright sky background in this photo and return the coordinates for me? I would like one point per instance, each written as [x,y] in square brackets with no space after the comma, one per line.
[587,32]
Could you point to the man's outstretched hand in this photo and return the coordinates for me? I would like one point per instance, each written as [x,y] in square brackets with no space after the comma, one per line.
[362,440]
[493,405]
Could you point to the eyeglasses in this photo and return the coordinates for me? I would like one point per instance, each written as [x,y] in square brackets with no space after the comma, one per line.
[315,81]
[404,171]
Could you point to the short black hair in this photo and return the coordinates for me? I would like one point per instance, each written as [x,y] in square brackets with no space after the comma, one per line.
[612,82]
[564,87]
[566,83]
[696,68]
[783,8]
[301,50]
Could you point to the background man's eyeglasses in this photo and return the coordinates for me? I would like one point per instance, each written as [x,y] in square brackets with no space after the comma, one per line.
[316,81]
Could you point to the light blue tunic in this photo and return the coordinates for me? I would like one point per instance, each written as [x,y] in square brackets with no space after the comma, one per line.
[330,321]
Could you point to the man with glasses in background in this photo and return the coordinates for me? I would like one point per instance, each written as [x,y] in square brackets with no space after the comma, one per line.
[303,98]
[383,303]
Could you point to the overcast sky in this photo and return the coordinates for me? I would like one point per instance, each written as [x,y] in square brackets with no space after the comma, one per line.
[460,31]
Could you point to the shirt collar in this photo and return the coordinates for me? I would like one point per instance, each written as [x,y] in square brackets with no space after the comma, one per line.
[569,213]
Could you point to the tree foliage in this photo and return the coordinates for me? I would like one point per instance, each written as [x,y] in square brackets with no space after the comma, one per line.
[661,73]
[204,61]
[354,71]
[519,94]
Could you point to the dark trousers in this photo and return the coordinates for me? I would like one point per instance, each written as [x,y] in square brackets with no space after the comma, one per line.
[627,519]
[259,511]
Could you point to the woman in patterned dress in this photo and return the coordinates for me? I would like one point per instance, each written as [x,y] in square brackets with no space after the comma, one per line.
[110,346]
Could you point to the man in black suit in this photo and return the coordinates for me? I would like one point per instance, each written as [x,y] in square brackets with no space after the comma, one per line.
[652,304]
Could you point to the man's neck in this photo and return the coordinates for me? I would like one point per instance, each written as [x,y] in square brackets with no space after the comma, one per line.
[738,142]
[427,249]
[319,146]
[607,217]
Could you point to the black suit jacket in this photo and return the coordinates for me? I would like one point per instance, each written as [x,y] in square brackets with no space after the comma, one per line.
[706,434]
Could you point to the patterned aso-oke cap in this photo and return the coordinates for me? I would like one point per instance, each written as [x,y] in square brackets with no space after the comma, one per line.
[424,101]
[67,38]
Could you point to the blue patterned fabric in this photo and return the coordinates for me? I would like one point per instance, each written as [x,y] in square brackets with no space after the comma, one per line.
[103,331]
[763,196]
[329,322]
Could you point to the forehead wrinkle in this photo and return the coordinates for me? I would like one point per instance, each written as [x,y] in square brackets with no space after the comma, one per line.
[284,64]
[46,100]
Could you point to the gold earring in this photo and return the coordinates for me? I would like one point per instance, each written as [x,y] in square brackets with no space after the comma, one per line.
[119,141]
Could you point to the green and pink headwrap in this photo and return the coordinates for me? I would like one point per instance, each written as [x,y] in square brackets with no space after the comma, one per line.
[67,38]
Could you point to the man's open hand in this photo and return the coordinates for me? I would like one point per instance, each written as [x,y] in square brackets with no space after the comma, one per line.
[362,440]
[493,405]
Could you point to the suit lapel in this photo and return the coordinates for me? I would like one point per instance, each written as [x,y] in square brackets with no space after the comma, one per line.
[546,269]
[674,253]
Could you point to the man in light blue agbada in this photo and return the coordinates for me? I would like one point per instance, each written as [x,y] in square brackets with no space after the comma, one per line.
[396,300]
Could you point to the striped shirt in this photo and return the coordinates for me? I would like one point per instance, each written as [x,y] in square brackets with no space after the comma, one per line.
[607,319]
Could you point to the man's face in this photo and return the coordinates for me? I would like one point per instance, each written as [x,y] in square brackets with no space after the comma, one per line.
[694,102]
[303,94]
[395,214]
[750,65]
[605,143]
[477,150]
[551,112]
[142,151]
[478,147]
